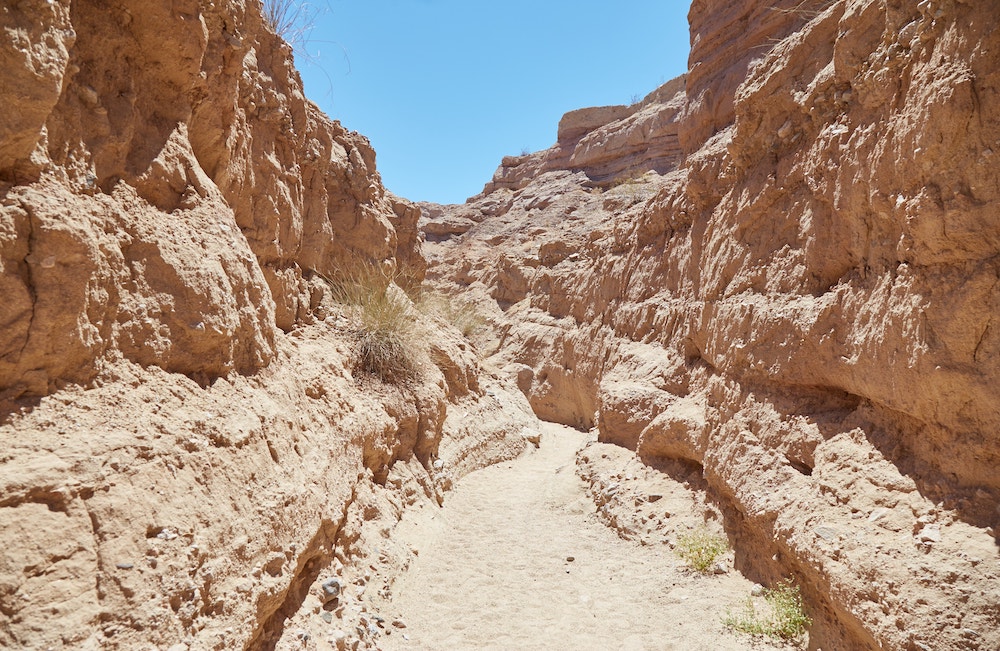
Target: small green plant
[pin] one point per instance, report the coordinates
(384, 318)
(699, 549)
(784, 617)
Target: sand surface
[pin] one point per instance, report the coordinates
(494, 571)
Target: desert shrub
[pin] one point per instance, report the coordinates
(633, 186)
(292, 20)
(699, 549)
(462, 314)
(784, 617)
(383, 319)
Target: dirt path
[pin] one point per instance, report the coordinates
(494, 571)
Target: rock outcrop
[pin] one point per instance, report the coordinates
(790, 284)
(774, 279)
(168, 191)
(188, 446)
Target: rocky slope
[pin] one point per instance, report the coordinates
(781, 270)
(189, 447)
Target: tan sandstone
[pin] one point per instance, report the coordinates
(188, 443)
(794, 293)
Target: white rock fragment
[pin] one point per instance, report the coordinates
(930, 534)
(878, 514)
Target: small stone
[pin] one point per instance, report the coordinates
(720, 568)
(653, 497)
(338, 640)
(326, 616)
(88, 95)
(438, 464)
(166, 534)
(968, 632)
(331, 589)
(878, 514)
(570, 559)
(828, 534)
(124, 566)
(398, 623)
(757, 590)
(930, 534)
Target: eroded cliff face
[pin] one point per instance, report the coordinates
(164, 149)
(785, 275)
(189, 448)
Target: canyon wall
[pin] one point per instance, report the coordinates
(781, 269)
(188, 444)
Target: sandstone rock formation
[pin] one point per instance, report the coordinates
(780, 269)
(187, 445)
(774, 280)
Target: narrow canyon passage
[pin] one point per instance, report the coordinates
(517, 559)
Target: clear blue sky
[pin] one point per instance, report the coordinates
(445, 88)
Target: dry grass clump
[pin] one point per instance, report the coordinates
(462, 314)
(384, 322)
(784, 617)
(292, 20)
(700, 549)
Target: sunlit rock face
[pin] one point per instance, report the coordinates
(188, 443)
(793, 286)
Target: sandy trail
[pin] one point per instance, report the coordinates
(493, 571)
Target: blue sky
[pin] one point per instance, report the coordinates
(445, 88)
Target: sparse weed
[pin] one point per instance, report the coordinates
(784, 617)
(464, 315)
(632, 177)
(801, 8)
(632, 185)
(292, 20)
(700, 548)
(386, 335)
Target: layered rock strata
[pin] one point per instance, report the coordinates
(189, 447)
(167, 191)
(792, 290)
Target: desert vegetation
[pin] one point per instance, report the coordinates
(463, 315)
(383, 320)
(783, 615)
(700, 549)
